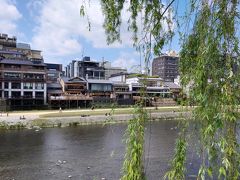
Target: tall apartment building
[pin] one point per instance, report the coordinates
(22, 75)
(166, 66)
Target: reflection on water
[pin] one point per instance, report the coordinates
(86, 152)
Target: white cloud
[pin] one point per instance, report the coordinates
(33, 6)
(55, 34)
(9, 15)
(60, 26)
(130, 61)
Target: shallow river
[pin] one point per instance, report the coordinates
(85, 153)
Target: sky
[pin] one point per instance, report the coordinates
(56, 28)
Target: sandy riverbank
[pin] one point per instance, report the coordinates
(79, 117)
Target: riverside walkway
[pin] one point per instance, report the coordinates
(51, 118)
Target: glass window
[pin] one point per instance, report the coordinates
(39, 86)
(6, 85)
(39, 76)
(39, 94)
(28, 94)
(28, 76)
(102, 74)
(27, 85)
(101, 87)
(6, 94)
(16, 85)
(16, 94)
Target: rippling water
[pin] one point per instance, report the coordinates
(85, 152)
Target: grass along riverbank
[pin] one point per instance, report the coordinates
(104, 111)
(64, 118)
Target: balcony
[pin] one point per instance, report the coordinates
(22, 69)
(24, 97)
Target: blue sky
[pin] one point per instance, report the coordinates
(56, 28)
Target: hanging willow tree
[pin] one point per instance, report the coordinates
(209, 57)
(208, 61)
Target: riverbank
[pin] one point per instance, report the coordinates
(41, 119)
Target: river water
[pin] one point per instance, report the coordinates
(85, 153)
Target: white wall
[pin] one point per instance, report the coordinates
(76, 69)
(120, 78)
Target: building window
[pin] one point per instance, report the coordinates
(28, 76)
(16, 94)
(39, 94)
(101, 74)
(39, 76)
(27, 85)
(27, 94)
(39, 86)
(16, 85)
(6, 94)
(101, 87)
(6, 85)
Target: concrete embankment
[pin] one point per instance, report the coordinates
(36, 122)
